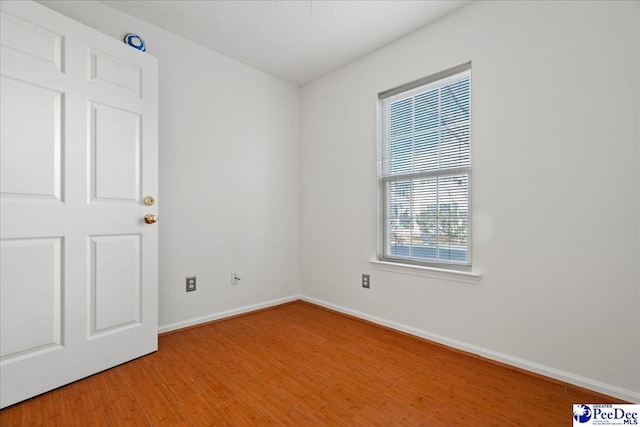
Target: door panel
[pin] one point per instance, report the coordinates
(115, 282)
(34, 42)
(79, 152)
(115, 154)
(116, 73)
(31, 277)
(31, 139)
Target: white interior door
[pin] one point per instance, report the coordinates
(78, 155)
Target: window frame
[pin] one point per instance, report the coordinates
(420, 86)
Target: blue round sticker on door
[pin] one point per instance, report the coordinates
(136, 41)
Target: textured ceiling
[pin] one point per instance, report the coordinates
(297, 41)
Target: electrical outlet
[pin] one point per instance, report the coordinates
(365, 281)
(235, 278)
(191, 283)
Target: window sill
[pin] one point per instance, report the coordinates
(435, 273)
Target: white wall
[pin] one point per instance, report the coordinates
(556, 189)
(229, 173)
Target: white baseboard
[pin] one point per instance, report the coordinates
(527, 365)
(226, 313)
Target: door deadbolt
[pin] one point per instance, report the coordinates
(149, 201)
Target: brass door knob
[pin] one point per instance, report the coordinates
(150, 219)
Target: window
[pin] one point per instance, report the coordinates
(425, 171)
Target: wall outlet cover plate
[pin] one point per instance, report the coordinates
(191, 283)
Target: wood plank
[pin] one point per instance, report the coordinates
(82, 405)
(13, 416)
(116, 398)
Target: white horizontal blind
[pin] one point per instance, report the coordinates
(425, 171)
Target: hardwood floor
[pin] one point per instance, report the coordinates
(302, 365)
